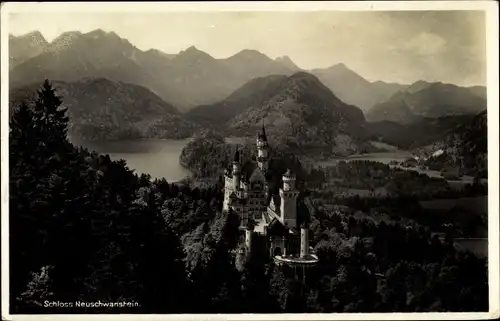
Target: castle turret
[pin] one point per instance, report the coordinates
(289, 195)
(236, 170)
(304, 241)
(262, 150)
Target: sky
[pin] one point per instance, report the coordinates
(393, 46)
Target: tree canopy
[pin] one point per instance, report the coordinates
(84, 227)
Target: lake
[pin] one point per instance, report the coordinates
(160, 157)
(157, 157)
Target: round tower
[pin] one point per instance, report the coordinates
(304, 241)
(289, 181)
(262, 150)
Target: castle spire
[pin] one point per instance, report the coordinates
(262, 134)
(236, 157)
(236, 170)
(262, 149)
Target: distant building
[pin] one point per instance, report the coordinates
(411, 162)
(437, 153)
(268, 216)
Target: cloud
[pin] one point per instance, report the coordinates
(426, 43)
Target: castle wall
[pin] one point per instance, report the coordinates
(292, 245)
(228, 189)
(256, 203)
(288, 208)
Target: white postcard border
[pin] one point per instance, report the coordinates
(492, 25)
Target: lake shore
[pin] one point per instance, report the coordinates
(160, 157)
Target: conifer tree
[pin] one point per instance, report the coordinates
(51, 118)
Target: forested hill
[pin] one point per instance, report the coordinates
(84, 228)
(420, 133)
(299, 113)
(463, 138)
(101, 109)
(466, 147)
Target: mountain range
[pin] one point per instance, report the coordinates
(187, 79)
(430, 100)
(25, 47)
(354, 89)
(115, 91)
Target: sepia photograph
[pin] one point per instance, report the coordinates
(240, 159)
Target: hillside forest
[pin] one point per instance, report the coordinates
(84, 227)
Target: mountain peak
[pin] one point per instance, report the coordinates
(67, 35)
(159, 53)
(340, 66)
(302, 75)
(249, 54)
(34, 33)
(418, 85)
(191, 48)
(33, 37)
(283, 59)
(99, 33)
(287, 61)
(191, 51)
(64, 40)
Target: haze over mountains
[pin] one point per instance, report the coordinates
(116, 91)
(432, 100)
(187, 79)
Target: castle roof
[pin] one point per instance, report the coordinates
(248, 168)
(236, 157)
(246, 171)
(276, 201)
(275, 227)
(288, 173)
(262, 134)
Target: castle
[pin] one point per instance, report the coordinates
(272, 217)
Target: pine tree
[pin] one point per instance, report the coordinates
(51, 118)
(36, 135)
(39, 289)
(25, 230)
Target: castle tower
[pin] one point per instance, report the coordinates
(236, 170)
(262, 150)
(248, 238)
(289, 195)
(304, 241)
